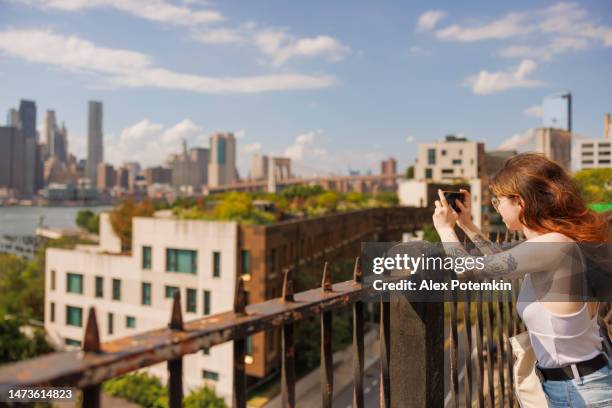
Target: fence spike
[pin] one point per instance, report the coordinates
(91, 341)
(176, 319)
(240, 298)
(357, 272)
(288, 285)
(326, 282)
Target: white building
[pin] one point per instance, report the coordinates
(133, 292)
(454, 158)
(594, 154)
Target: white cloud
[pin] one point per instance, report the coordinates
(429, 19)
(154, 10)
(219, 36)
(535, 111)
(252, 147)
(303, 144)
(281, 47)
(556, 46)
(410, 139)
(563, 27)
(133, 69)
(519, 141)
(149, 143)
(485, 82)
(506, 27)
(239, 134)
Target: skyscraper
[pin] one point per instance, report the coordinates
(12, 118)
(222, 166)
(12, 163)
(27, 119)
(95, 142)
(50, 129)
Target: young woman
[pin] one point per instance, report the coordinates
(536, 196)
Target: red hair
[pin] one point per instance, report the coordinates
(552, 202)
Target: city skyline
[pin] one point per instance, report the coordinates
(332, 96)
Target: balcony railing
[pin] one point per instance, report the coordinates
(412, 350)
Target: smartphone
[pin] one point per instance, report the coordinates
(451, 196)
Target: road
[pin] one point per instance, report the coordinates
(370, 390)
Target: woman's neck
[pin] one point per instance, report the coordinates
(529, 233)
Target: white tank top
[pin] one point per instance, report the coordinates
(558, 340)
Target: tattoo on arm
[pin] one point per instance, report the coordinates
(498, 265)
(486, 247)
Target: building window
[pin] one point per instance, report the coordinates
(130, 322)
(456, 161)
(602, 161)
(52, 311)
(431, 156)
(587, 153)
(116, 289)
(169, 290)
(606, 153)
(110, 323)
(74, 316)
(587, 145)
(53, 279)
(99, 287)
(587, 162)
(74, 283)
(428, 173)
(448, 171)
(206, 302)
(181, 260)
(72, 342)
(245, 257)
(145, 296)
(206, 352)
(216, 264)
(471, 161)
(443, 153)
(146, 257)
(210, 375)
(460, 152)
(191, 300)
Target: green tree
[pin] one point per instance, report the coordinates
(387, 198)
(203, 397)
(88, 220)
(430, 234)
(15, 345)
(147, 391)
(121, 219)
(595, 185)
(140, 388)
(410, 172)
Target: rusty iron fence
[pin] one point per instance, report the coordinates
(88, 368)
(411, 333)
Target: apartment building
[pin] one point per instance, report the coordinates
(133, 292)
(595, 153)
(454, 158)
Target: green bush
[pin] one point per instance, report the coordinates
(203, 397)
(140, 388)
(16, 346)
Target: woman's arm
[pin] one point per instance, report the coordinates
(464, 221)
(516, 262)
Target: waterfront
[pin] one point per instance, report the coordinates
(20, 220)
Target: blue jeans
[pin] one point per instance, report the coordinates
(594, 390)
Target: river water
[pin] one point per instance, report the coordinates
(24, 220)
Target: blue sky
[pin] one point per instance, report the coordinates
(334, 85)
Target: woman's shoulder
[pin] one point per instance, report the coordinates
(552, 237)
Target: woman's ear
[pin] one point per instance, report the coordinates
(521, 202)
